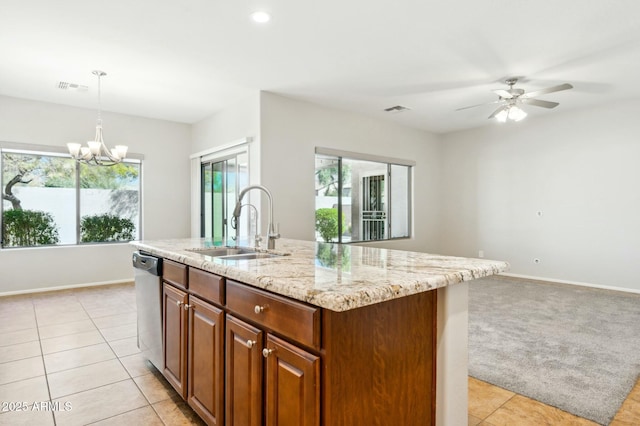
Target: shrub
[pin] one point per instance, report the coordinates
(24, 228)
(327, 223)
(105, 227)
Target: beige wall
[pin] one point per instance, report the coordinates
(563, 189)
(474, 190)
(290, 132)
(165, 202)
(237, 123)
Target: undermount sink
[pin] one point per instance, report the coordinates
(248, 256)
(233, 253)
(223, 251)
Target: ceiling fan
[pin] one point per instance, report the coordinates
(511, 98)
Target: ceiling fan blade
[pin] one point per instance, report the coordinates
(558, 88)
(540, 103)
(479, 105)
(496, 112)
(503, 93)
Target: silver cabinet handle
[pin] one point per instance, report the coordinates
(259, 309)
(186, 307)
(178, 303)
(251, 343)
(266, 352)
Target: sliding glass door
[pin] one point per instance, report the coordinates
(222, 179)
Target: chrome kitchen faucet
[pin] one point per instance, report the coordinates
(272, 233)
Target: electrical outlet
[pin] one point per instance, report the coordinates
(481, 254)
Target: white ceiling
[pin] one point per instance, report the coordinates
(183, 60)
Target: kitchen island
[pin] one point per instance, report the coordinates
(380, 333)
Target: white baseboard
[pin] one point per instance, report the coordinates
(554, 280)
(63, 287)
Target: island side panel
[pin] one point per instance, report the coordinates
(379, 363)
(453, 355)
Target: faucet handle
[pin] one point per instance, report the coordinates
(276, 233)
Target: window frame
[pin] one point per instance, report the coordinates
(61, 152)
(219, 154)
(340, 155)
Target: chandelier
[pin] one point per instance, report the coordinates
(97, 153)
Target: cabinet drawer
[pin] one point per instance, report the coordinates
(293, 319)
(174, 273)
(206, 285)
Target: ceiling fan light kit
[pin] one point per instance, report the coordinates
(511, 112)
(511, 98)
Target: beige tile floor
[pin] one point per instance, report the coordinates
(70, 358)
(490, 405)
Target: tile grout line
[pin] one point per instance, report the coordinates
(149, 404)
(123, 366)
(498, 408)
(44, 365)
(79, 301)
(34, 309)
(110, 348)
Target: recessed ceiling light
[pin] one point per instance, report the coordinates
(260, 17)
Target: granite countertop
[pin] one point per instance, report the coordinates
(332, 276)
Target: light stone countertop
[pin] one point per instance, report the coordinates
(332, 276)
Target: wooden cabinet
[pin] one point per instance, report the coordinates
(206, 285)
(243, 356)
(193, 341)
(292, 385)
(174, 273)
(205, 377)
(379, 363)
(290, 379)
(174, 337)
(294, 320)
(244, 373)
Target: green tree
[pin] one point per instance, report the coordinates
(22, 228)
(327, 179)
(327, 223)
(60, 172)
(113, 177)
(106, 227)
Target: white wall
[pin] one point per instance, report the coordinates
(579, 169)
(231, 124)
(290, 132)
(235, 123)
(165, 146)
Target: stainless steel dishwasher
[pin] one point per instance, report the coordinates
(148, 275)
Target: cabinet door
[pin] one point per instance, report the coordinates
(175, 337)
(244, 373)
(206, 361)
(292, 385)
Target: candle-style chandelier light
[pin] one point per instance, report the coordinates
(96, 152)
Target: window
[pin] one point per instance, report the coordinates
(50, 199)
(222, 178)
(371, 194)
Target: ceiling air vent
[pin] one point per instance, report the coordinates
(72, 86)
(397, 108)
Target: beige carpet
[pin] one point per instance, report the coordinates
(571, 347)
